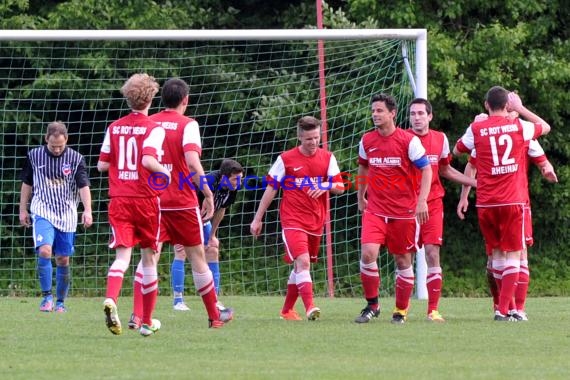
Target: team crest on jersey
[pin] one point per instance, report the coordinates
(66, 169)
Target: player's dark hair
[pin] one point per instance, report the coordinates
(308, 123)
(497, 98)
(423, 101)
(173, 92)
(56, 128)
(229, 167)
(388, 100)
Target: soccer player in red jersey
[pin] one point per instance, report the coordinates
(537, 156)
(307, 174)
(431, 232)
(502, 185)
(131, 153)
(390, 203)
(181, 220)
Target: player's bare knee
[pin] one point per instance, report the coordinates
(302, 262)
(62, 261)
(45, 251)
(212, 254)
(369, 254)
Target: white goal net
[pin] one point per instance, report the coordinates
(248, 88)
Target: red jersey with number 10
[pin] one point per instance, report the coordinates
(501, 158)
(126, 141)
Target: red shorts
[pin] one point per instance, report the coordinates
(502, 227)
(431, 232)
(134, 221)
(398, 235)
(182, 227)
(298, 242)
(528, 238)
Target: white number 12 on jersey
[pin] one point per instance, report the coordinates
(503, 140)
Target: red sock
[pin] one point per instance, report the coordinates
(292, 293)
(115, 279)
(204, 282)
(149, 290)
(305, 288)
(137, 292)
(370, 279)
(404, 287)
(434, 282)
(522, 286)
(508, 285)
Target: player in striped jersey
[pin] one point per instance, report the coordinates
(53, 177)
(131, 153)
(307, 173)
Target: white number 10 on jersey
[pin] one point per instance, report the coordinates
(128, 153)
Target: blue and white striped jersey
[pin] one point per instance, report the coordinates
(55, 182)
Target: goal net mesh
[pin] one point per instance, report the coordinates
(246, 96)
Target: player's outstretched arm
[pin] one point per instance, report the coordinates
(151, 164)
(515, 104)
(87, 216)
(454, 175)
(362, 187)
(547, 171)
(266, 199)
(422, 213)
(25, 196)
(193, 161)
(216, 220)
(103, 166)
(463, 203)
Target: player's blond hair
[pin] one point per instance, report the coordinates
(139, 90)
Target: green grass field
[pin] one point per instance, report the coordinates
(258, 345)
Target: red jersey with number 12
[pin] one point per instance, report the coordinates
(501, 158)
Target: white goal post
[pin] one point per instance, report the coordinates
(416, 69)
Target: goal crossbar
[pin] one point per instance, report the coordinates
(214, 34)
(419, 35)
